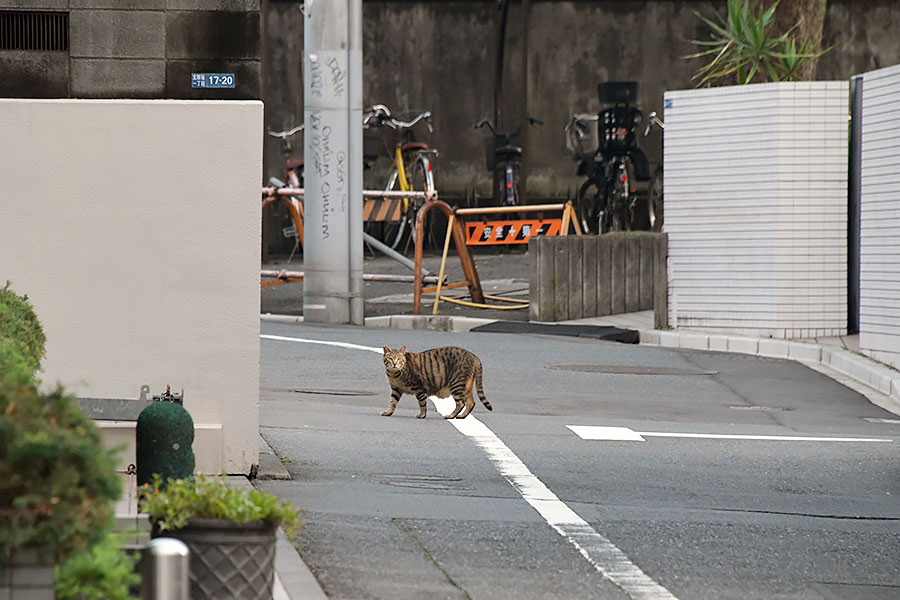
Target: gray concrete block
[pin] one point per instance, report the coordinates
(774, 348)
(248, 80)
(560, 279)
(117, 34)
(34, 75)
(632, 272)
(233, 5)
(617, 273)
(35, 4)
(217, 35)
(120, 4)
(104, 78)
(575, 250)
(744, 345)
(589, 270)
(604, 275)
(647, 244)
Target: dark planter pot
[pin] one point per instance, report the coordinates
(228, 560)
(27, 574)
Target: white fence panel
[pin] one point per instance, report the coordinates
(756, 208)
(879, 310)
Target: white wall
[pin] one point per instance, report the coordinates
(879, 312)
(134, 228)
(755, 208)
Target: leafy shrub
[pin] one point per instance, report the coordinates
(105, 572)
(57, 481)
(21, 335)
(173, 503)
(744, 48)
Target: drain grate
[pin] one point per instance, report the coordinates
(630, 370)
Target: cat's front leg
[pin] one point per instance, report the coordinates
(423, 404)
(395, 398)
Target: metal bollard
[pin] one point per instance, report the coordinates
(164, 570)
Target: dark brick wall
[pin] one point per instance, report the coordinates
(140, 49)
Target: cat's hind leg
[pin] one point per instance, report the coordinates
(423, 404)
(459, 407)
(470, 399)
(395, 398)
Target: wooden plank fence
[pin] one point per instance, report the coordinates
(574, 277)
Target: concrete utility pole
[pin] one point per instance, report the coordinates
(332, 95)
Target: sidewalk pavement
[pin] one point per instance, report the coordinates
(838, 358)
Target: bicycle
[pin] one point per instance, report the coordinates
(293, 179)
(412, 170)
(507, 158)
(655, 191)
(608, 155)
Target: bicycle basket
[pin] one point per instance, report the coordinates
(582, 136)
(618, 92)
(616, 127)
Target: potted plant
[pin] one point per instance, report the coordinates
(57, 481)
(229, 531)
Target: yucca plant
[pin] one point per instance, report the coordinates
(745, 49)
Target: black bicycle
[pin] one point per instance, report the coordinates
(606, 149)
(507, 158)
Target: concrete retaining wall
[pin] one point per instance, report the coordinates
(136, 236)
(574, 277)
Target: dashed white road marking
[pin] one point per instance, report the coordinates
(602, 554)
(595, 432)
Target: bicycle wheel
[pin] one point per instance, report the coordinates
(615, 218)
(421, 180)
(386, 231)
(655, 201)
(590, 205)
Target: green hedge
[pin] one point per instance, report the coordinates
(21, 335)
(57, 481)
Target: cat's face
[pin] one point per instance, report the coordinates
(394, 360)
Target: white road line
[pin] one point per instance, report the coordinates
(602, 554)
(592, 432)
(281, 338)
(605, 557)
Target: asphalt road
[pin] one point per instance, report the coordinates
(513, 504)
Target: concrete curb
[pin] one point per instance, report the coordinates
(848, 364)
(293, 579)
(270, 466)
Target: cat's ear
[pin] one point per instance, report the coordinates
(402, 349)
(386, 349)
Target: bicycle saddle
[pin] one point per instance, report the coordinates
(508, 150)
(413, 146)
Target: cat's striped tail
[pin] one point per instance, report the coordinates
(480, 388)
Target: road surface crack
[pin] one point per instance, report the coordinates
(428, 555)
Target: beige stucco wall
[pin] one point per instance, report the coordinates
(133, 226)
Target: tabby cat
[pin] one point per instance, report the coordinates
(440, 371)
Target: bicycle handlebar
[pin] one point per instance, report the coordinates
(287, 133)
(506, 136)
(383, 114)
(653, 119)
